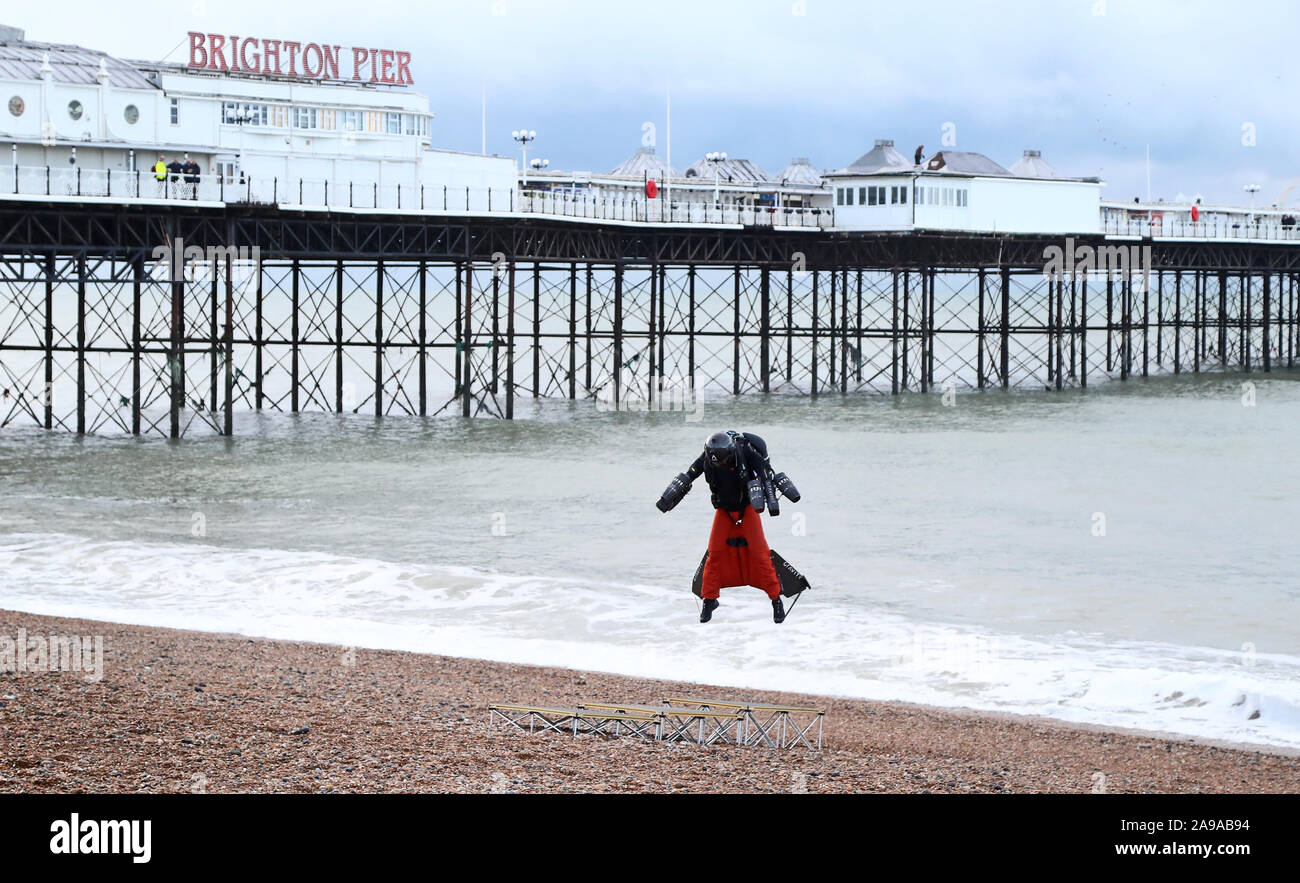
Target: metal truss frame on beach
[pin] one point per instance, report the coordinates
(699, 721)
(776, 726)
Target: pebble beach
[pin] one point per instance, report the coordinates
(185, 711)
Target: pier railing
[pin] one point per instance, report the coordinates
(1266, 229)
(119, 185)
(123, 185)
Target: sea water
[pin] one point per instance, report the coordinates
(1123, 555)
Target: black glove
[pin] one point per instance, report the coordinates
(676, 492)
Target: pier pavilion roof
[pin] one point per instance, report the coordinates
(1032, 165)
(964, 162)
(731, 171)
(881, 158)
(22, 59)
(642, 163)
(800, 172)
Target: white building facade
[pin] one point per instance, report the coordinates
(70, 110)
(960, 191)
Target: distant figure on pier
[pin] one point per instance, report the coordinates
(742, 484)
(192, 172)
(175, 169)
(160, 176)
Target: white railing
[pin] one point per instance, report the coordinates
(1205, 228)
(660, 211)
(120, 185)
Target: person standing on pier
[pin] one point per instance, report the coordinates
(192, 170)
(175, 169)
(160, 176)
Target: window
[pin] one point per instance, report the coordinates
(75, 109)
(16, 106)
(175, 112)
(233, 113)
(131, 114)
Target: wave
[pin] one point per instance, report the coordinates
(650, 631)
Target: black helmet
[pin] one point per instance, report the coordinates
(720, 450)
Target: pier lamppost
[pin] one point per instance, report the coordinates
(716, 160)
(524, 136)
(1252, 189)
(240, 116)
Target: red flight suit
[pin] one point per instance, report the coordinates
(739, 565)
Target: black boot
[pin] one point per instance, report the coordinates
(778, 610)
(710, 605)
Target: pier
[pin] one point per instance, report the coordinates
(426, 312)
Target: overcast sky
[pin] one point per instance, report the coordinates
(1211, 87)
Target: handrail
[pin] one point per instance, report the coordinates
(122, 185)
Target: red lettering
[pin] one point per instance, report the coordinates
(292, 49)
(270, 50)
(198, 52)
(256, 66)
(330, 67)
(307, 67)
(217, 61)
(359, 57)
(404, 69)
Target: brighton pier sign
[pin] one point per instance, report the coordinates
(289, 58)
